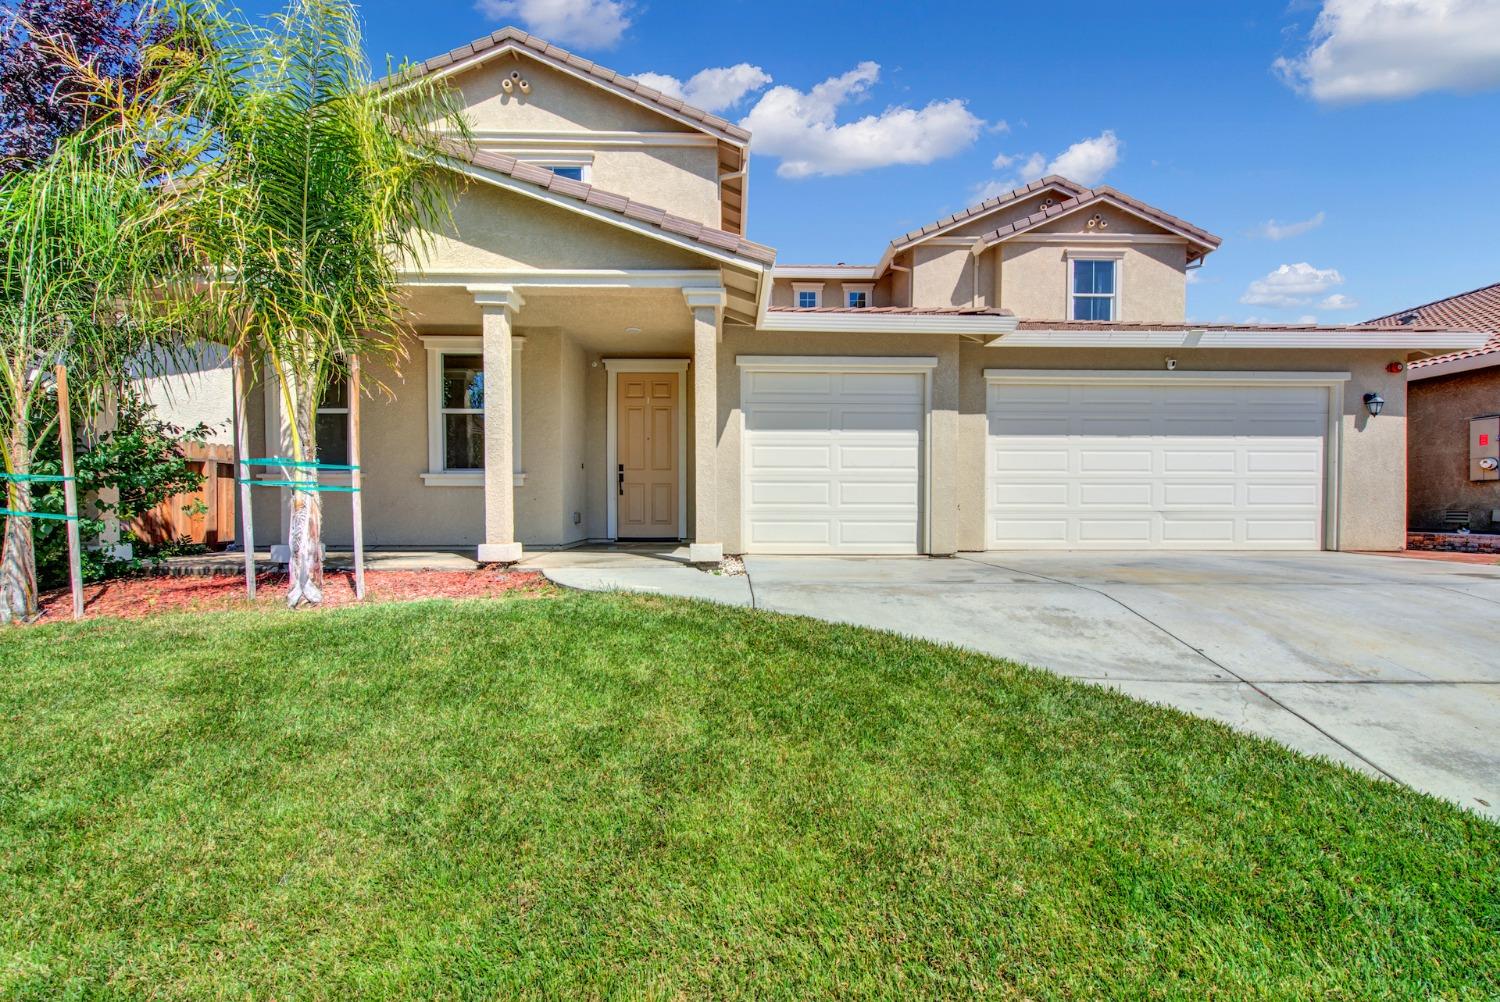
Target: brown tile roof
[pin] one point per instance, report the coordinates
(989, 204)
(1101, 325)
(1088, 196)
(541, 177)
(905, 311)
(507, 38)
(1477, 310)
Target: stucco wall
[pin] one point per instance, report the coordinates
(680, 179)
(191, 398)
(782, 293)
(1372, 495)
(496, 230)
(1438, 448)
(1034, 279)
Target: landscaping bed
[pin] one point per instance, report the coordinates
(149, 595)
(613, 796)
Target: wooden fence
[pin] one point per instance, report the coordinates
(183, 517)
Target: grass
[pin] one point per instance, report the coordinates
(625, 797)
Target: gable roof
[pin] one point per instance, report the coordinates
(638, 215)
(1476, 310)
(1198, 238)
(932, 229)
(510, 39)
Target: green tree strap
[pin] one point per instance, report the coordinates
(301, 485)
(37, 514)
(50, 478)
(299, 464)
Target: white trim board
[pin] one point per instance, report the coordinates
(1245, 338)
(1333, 381)
(859, 322)
(612, 369)
(491, 138)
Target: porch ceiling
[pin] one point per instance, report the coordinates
(597, 318)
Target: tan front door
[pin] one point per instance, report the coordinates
(646, 481)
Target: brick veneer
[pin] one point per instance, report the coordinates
(1467, 542)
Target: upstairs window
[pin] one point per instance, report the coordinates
(571, 173)
(807, 295)
(857, 297)
(1094, 285)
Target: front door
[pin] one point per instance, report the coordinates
(647, 477)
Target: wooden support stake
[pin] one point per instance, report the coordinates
(70, 489)
(357, 516)
(242, 452)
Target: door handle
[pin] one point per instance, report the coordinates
(621, 480)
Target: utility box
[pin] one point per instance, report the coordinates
(1484, 447)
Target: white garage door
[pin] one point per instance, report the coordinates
(1127, 466)
(832, 461)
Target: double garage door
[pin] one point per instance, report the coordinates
(834, 462)
(1210, 465)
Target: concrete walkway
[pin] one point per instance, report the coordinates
(1388, 665)
(653, 570)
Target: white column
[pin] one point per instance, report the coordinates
(707, 307)
(498, 307)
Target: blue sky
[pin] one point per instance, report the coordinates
(1377, 132)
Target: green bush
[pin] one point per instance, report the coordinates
(142, 459)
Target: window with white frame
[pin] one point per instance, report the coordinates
(807, 295)
(1094, 286)
(455, 410)
(575, 168)
(858, 297)
(331, 426)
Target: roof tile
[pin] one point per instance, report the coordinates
(1477, 310)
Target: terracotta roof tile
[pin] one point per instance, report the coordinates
(1089, 196)
(1477, 310)
(503, 163)
(1052, 180)
(514, 37)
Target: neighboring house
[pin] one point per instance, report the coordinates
(602, 354)
(1453, 418)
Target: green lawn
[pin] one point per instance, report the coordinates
(618, 797)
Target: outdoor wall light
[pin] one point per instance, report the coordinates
(1375, 403)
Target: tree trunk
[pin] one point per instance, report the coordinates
(305, 538)
(18, 591)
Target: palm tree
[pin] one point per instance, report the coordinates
(305, 187)
(79, 264)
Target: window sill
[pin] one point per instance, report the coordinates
(466, 479)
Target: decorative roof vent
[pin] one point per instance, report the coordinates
(515, 82)
(1098, 222)
(1047, 203)
(1406, 319)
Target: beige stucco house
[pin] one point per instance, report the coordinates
(602, 354)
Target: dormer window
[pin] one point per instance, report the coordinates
(858, 297)
(1094, 286)
(807, 295)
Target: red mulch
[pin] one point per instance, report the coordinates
(137, 598)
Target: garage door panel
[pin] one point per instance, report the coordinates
(1152, 465)
(833, 462)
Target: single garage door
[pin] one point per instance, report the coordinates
(1120, 465)
(832, 458)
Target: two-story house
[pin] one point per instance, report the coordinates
(602, 354)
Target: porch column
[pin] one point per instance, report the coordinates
(707, 306)
(498, 307)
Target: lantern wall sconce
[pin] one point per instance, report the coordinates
(1374, 403)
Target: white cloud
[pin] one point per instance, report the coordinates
(1194, 277)
(1338, 301)
(1086, 161)
(1272, 230)
(714, 89)
(1307, 318)
(802, 128)
(1364, 50)
(590, 24)
(1291, 285)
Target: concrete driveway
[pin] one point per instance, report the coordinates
(1390, 665)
